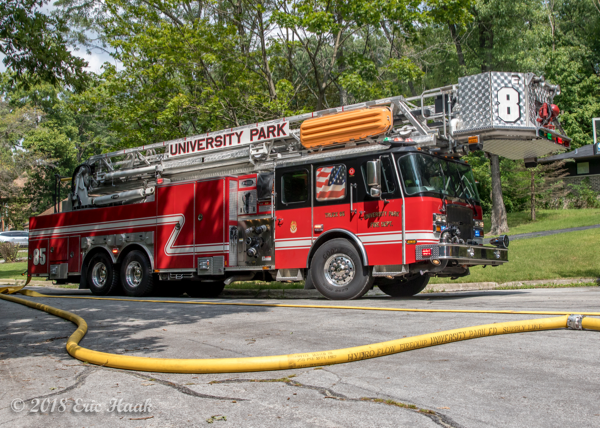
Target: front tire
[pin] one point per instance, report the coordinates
(403, 287)
(204, 288)
(102, 276)
(337, 271)
(136, 275)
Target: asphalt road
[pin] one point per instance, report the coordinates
(539, 379)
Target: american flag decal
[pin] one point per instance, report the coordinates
(331, 182)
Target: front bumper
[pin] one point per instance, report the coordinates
(470, 255)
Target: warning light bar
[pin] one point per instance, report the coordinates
(551, 137)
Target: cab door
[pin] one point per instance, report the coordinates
(380, 220)
(334, 198)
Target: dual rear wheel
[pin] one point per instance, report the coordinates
(135, 278)
(134, 275)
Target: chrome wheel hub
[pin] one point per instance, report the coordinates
(339, 270)
(134, 274)
(99, 274)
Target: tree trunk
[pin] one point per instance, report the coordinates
(532, 196)
(265, 59)
(499, 220)
(459, 52)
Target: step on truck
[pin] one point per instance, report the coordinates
(344, 199)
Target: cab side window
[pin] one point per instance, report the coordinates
(387, 168)
(388, 182)
(330, 183)
(294, 187)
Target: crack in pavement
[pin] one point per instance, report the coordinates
(180, 388)
(80, 379)
(437, 417)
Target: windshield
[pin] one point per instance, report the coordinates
(423, 173)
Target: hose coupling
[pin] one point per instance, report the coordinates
(574, 322)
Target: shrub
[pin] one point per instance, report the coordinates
(583, 196)
(9, 251)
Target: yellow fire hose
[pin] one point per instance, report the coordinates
(294, 361)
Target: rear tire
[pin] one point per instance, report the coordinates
(102, 276)
(403, 288)
(337, 271)
(136, 275)
(204, 288)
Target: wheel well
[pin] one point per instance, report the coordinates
(333, 234)
(132, 247)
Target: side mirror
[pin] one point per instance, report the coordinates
(374, 178)
(374, 174)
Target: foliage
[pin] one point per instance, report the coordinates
(183, 67)
(35, 46)
(9, 251)
(582, 196)
(60, 154)
(540, 185)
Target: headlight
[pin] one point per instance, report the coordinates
(478, 223)
(439, 218)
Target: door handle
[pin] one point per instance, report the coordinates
(352, 210)
(279, 221)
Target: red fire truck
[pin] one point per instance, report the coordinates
(344, 199)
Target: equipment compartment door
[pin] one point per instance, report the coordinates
(58, 250)
(210, 216)
(174, 248)
(38, 257)
(293, 226)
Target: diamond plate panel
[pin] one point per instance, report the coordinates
(474, 95)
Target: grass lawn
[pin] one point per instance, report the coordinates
(568, 255)
(13, 270)
(549, 220)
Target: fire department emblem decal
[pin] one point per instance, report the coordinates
(293, 227)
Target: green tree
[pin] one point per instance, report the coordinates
(35, 46)
(60, 157)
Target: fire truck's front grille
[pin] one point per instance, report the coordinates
(461, 217)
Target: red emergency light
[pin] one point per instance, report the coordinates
(426, 252)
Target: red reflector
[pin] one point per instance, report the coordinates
(159, 181)
(426, 252)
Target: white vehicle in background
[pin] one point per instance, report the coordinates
(20, 237)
